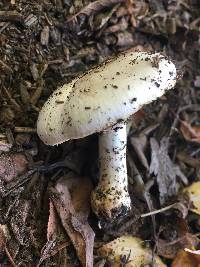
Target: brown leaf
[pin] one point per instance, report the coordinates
(56, 239)
(185, 157)
(190, 133)
(140, 114)
(164, 169)
(169, 249)
(12, 165)
(51, 228)
(130, 6)
(139, 144)
(71, 198)
(185, 259)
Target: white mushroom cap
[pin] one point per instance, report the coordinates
(104, 96)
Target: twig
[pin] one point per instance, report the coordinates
(5, 25)
(11, 99)
(149, 202)
(158, 211)
(10, 257)
(5, 66)
(19, 129)
(195, 107)
(37, 93)
(25, 178)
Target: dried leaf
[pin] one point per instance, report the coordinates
(139, 143)
(184, 259)
(12, 165)
(195, 252)
(188, 159)
(130, 6)
(56, 241)
(130, 252)
(51, 228)
(164, 169)
(169, 249)
(71, 198)
(190, 133)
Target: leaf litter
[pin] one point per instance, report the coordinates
(44, 45)
(164, 170)
(73, 210)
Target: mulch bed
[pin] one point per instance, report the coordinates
(44, 44)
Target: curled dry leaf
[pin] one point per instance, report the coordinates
(163, 168)
(56, 238)
(190, 133)
(185, 259)
(130, 252)
(169, 250)
(51, 228)
(71, 198)
(193, 192)
(195, 252)
(12, 165)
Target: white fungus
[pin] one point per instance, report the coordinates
(100, 101)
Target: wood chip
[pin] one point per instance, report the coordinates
(44, 37)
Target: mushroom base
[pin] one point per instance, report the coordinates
(111, 198)
(107, 209)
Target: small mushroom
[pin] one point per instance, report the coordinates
(129, 251)
(193, 192)
(101, 101)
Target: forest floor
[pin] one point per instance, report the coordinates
(44, 44)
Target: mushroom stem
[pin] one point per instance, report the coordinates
(111, 199)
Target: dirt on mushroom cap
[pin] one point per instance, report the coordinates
(105, 95)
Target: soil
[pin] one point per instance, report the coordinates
(45, 44)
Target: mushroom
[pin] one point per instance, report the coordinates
(101, 101)
(129, 251)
